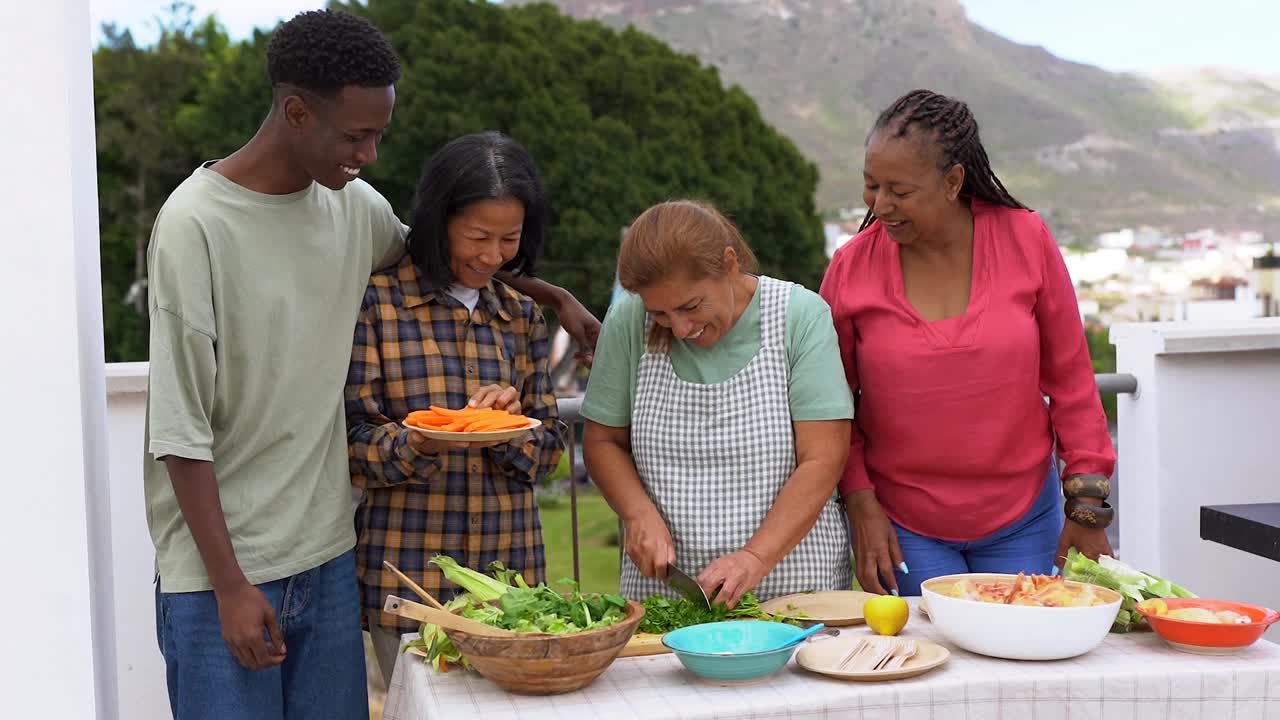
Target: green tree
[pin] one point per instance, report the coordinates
(616, 120)
(1103, 354)
(139, 94)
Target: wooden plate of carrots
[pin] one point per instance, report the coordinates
(469, 424)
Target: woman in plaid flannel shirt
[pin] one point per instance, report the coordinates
(439, 329)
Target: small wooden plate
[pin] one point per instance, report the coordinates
(476, 436)
(833, 608)
(823, 657)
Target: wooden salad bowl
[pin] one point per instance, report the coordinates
(539, 664)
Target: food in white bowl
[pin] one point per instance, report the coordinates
(1032, 590)
(1020, 617)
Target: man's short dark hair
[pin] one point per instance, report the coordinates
(326, 50)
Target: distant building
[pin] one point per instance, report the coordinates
(1095, 266)
(1118, 240)
(836, 234)
(852, 214)
(1224, 300)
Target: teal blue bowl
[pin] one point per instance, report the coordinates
(734, 650)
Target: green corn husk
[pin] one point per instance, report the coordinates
(1132, 584)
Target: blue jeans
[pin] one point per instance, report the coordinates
(1026, 545)
(323, 675)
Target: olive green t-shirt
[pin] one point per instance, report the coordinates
(253, 301)
(817, 387)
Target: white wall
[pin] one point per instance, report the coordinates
(138, 665)
(55, 531)
(1202, 430)
(1221, 312)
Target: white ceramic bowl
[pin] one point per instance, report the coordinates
(1018, 632)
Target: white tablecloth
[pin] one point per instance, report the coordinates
(1127, 677)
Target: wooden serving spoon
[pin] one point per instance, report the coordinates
(422, 613)
(414, 586)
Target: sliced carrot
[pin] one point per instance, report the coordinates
(420, 418)
(467, 419)
(504, 424)
(451, 413)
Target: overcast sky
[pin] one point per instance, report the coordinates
(1123, 35)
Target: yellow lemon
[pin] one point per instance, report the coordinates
(886, 614)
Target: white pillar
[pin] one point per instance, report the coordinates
(140, 670)
(58, 642)
(1201, 430)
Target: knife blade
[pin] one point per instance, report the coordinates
(680, 581)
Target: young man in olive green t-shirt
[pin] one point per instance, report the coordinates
(257, 266)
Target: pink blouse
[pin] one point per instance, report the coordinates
(951, 428)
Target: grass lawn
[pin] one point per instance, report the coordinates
(597, 541)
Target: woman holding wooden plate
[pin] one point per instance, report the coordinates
(717, 416)
(440, 330)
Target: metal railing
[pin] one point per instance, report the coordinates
(1116, 383)
(570, 410)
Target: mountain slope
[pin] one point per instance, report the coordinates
(1092, 150)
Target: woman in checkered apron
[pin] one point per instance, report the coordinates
(717, 415)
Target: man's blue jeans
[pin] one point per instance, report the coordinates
(1027, 545)
(323, 675)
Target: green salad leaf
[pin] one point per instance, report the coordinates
(503, 599)
(541, 609)
(662, 614)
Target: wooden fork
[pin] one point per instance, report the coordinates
(875, 654)
(867, 655)
(906, 650)
(861, 647)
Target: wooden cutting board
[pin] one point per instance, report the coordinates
(644, 644)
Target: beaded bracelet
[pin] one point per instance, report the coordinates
(1087, 486)
(1090, 516)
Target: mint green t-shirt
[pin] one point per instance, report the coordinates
(818, 389)
(253, 306)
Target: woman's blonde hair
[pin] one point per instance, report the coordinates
(678, 237)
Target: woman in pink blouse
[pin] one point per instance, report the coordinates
(956, 318)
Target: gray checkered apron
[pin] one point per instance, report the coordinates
(713, 457)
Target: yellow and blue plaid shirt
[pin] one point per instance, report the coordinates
(416, 346)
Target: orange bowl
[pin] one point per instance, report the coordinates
(1208, 638)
